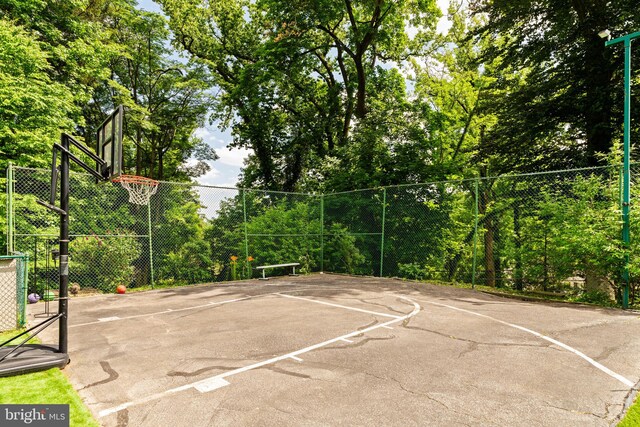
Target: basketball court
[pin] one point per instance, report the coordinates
(330, 349)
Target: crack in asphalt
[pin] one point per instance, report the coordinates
(284, 371)
(573, 411)
(112, 375)
(375, 322)
(426, 395)
(605, 353)
(356, 344)
(200, 371)
(503, 344)
(368, 302)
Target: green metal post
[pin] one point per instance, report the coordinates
(626, 172)
(246, 238)
(384, 212)
(150, 242)
(10, 242)
(25, 289)
(475, 235)
(322, 233)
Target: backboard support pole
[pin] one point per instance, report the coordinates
(38, 357)
(63, 302)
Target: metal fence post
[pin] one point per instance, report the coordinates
(322, 233)
(246, 237)
(150, 242)
(25, 290)
(475, 234)
(384, 211)
(10, 243)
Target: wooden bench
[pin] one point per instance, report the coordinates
(265, 267)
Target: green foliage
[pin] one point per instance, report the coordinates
(341, 251)
(585, 229)
(165, 100)
(34, 109)
(600, 298)
(290, 222)
(103, 262)
(297, 81)
(568, 106)
(632, 417)
(417, 271)
(180, 248)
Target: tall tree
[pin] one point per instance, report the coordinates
(294, 76)
(54, 53)
(571, 86)
(166, 99)
(33, 108)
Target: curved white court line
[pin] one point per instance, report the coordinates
(578, 353)
(218, 381)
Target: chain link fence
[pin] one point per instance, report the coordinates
(187, 234)
(557, 231)
(13, 288)
(548, 231)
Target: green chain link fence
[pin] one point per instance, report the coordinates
(13, 289)
(546, 231)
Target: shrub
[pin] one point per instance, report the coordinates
(103, 263)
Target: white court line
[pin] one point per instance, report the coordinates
(214, 384)
(387, 327)
(210, 380)
(578, 353)
(169, 310)
(297, 359)
(346, 340)
(340, 306)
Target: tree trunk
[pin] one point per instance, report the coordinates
(597, 114)
(545, 261)
(138, 152)
(160, 165)
(497, 263)
(361, 106)
(518, 246)
(489, 264)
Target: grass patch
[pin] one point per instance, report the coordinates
(46, 387)
(632, 418)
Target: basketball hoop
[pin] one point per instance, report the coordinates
(140, 188)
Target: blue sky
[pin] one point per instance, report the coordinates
(224, 171)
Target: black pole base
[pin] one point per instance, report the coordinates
(31, 358)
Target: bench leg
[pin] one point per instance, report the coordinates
(294, 271)
(263, 276)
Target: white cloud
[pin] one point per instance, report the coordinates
(203, 133)
(233, 156)
(209, 177)
(444, 24)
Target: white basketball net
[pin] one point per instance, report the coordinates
(140, 188)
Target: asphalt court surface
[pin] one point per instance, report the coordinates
(338, 350)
